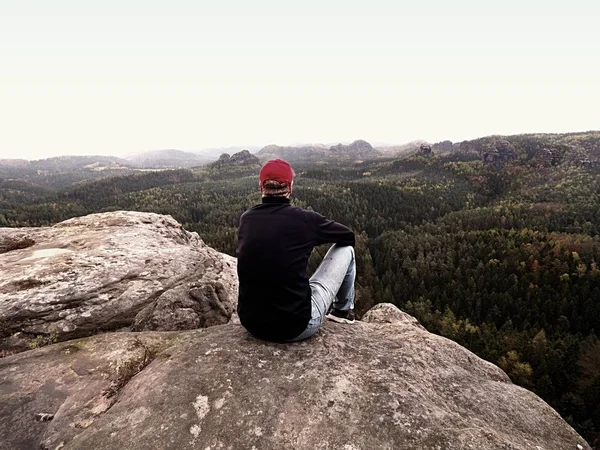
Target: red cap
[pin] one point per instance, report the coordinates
(278, 170)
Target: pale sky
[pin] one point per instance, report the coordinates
(119, 76)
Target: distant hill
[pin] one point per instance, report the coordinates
(168, 159)
(214, 152)
(63, 171)
(357, 150)
(292, 154)
(13, 162)
(15, 168)
(575, 148)
(579, 148)
(414, 147)
(401, 150)
(66, 163)
(176, 159)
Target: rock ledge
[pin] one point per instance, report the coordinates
(108, 271)
(365, 386)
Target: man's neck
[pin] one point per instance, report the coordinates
(272, 199)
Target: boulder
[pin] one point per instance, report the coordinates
(106, 272)
(384, 384)
(389, 313)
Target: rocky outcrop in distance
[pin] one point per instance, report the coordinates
(383, 383)
(444, 147)
(106, 272)
(425, 149)
(542, 150)
(239, 159)
(357, 150)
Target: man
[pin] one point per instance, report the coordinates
(277, 301)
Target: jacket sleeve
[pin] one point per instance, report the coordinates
(327, 231)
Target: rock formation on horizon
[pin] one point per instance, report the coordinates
(358, 149)
(382, 383)
(242, 158)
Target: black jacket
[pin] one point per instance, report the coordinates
(274, 242)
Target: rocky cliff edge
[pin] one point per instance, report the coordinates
(382, 383)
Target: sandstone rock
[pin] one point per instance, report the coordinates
(243, 158)
(188, 306)
(223, 158)
(444, 146)
(358, 149)
(425, 149)
(96, 273)
(388, 313)
(364, 386)
(16, 242)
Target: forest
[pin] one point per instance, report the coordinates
(494, 245)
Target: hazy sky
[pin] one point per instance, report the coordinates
(122, 76)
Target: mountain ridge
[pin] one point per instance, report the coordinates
(357, 150)
(173, 158)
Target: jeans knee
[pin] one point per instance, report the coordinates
(350, 250)
(346, 248)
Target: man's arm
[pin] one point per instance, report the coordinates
(328, 231)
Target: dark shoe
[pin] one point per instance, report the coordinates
(341, 316)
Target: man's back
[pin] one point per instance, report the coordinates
(274, 243)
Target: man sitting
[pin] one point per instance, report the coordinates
(277, 301)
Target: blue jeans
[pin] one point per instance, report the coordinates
(331, 284)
